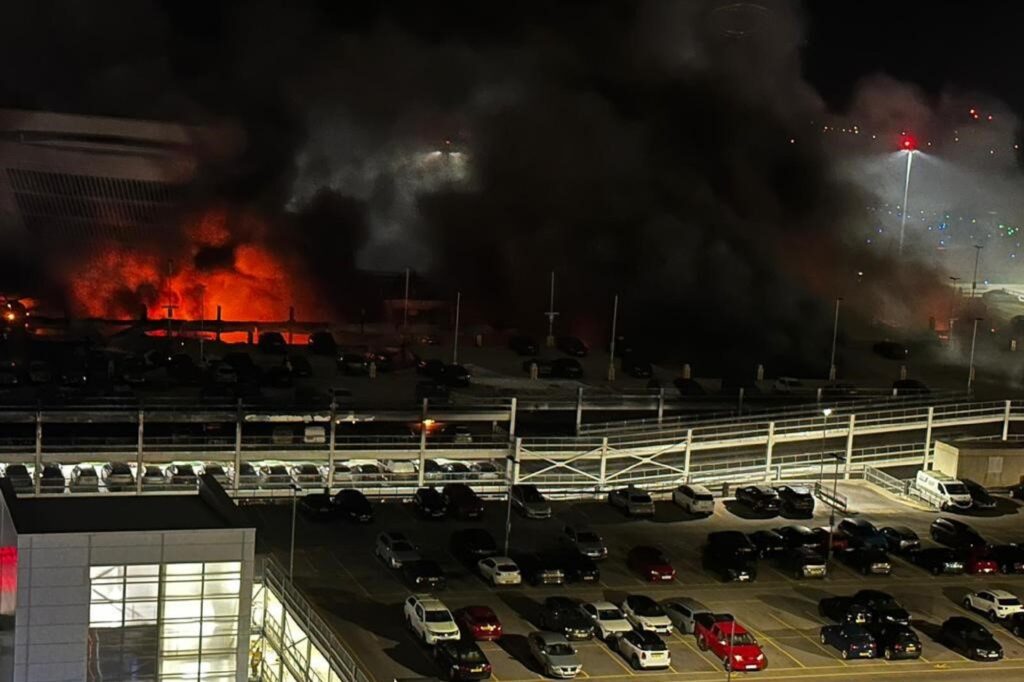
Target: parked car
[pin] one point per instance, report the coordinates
(299, 366)
(472, 544)
(566, 368)
(181, 475)
(970, 639)
(117, 477)
(945, 491)
(607, 618)
(585, 541)
(895, 641)
(866, 560)
(544, 367)
(759, 498)
(433, 391)
(523, 345)
(1015, 624)
(462, 501)
(694, 499)
(643, 650)
(570, 345)
(651, 564)
(52, 479)
(579, 568)
(799, 536)
(566, 616)
(272, 342)
(429, 619)
(352, 504)
(728, 641)
(844, 610)
(937, 560)
(891, 350)
(900, 539)
(884, 607)
(980, 497)
(275, 476)
(863, 533)
(456, 375)
(248, 477)
(394, 549)
(353, 364)
(646, 614)
(529, 502)
(1009, 558)
(153, 478)
(479, 623)
(731, 555)
(424, 574)
(852, 640)
(499, 570)
(830, 537)
(995, 604)
(554, 654)
(682, 611)
(19, 477)
(637, 366)
(955, 534)
(83, 479)
(910, 387)
(540, 568)
(632, 501)
(803, 562)
(317, 507)
(978, 561)
(795, 500)
(219, 473)
(307, 475)
(768, 543)
(322, 343)
(429, 503)
(462, 660)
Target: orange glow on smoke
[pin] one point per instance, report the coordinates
(252, 283)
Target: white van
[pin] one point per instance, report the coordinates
(695, 499)
(944, 490)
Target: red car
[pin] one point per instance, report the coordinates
(980, 561)
(479, 622)
(650, 564)
(840, 540)
(729, 641)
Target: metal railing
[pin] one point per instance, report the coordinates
(834, 499)
(885, 481)
(319, 635)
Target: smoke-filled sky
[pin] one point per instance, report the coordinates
(728, 168)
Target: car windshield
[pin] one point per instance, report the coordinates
(702, 497)
(978, 636)
(438, 617)
(507, 568)
(956, 489)
(401, 546)
(586, 536)
(531, 495)
(641, 498)
(184, 470)
(647, 608)
(559, 649)
(742, 639)
(1008, 601)
(471, 655)
(609, 614)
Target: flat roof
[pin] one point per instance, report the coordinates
(210, 508)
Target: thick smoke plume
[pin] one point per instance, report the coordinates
(665, 150)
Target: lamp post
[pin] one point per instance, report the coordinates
(909, 145)
(291, 547)
(611, 355)
(832, 512)
(825, 414)
(974, 279)
(952, 306)
(455, 341)
(551, 314)
(510, 473)
(970, 370)
(835, 335)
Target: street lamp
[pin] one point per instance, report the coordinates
(835, 335)
(296, 489)
(510, 474)
(825, 414)
(952, 307)
(970, 370)
(974, 279)
(909, 145)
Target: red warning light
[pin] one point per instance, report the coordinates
(908, 143)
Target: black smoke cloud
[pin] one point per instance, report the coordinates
(649, 149)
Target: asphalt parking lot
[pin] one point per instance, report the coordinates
(362, 599)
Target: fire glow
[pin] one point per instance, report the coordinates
(245, 278)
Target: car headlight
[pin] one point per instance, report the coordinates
(760, 657)
(738, 657)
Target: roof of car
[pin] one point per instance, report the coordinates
(689, 602)
(480, 612)
(601, 605)
(551, 637)
(1001, 594)
(430, 602)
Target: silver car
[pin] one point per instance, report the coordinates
(584, 541)
(681, 611)
(529, 502)
(307, 475)
(395, 550)
(632, 501)
(117, 476)
(554, 654)
(84, 479)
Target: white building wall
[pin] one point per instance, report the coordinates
(53, 595)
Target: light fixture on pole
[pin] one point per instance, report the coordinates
(835, 336)
(970, 370)
(611, 354)
(825, 414)
(909, 145)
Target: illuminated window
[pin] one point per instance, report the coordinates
(178, 623)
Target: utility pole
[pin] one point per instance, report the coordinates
(835, 335)
(974, 280)
(611, 355)
(405, 307)
(952, 306)
(551, 315)
(906, 193)
(970, 370)
(455, 341)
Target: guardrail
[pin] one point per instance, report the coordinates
(885, 481)
(318, 657)
(834, 499)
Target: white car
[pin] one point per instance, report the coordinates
(500, 570)
(995, 604)
(694, 499)
(429, 619)
(646, 614)
(395, 550)
(681, 611)
(608, 619)
(643, 650)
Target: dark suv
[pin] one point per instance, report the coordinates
(795, 501)
(731, 555)
(759, 498)
(955, 534)
(566, 616)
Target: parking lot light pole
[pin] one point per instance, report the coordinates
(291, 548)
(825, 414)
(970, 370)
(455, 340)
(510, 469)
(835, 335)
(832, 512)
